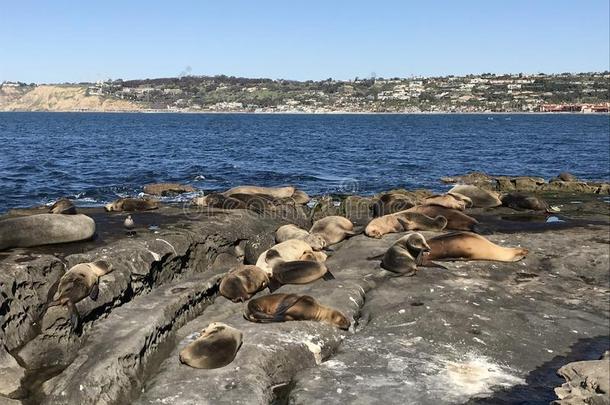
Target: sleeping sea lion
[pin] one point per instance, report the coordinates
(275, 192)
(447, 201)
(292, 307)
(405, 254)
(216, 346)
(292, 249)
(63, 206)
(390, 203)
(298, 272)
(79, 282)
(242, 282)
(404, 221)
(300, 197)
(456, 220)
(290, 231)
(481, 198)
(470, 246)
(333, 229)
(132, 204)
(518, 201)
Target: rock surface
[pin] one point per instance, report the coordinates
(477, 332)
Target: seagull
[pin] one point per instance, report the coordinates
(129, 224)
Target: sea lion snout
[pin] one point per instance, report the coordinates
(340, 320)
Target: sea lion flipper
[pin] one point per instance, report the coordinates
(273, 284)
(420, 258)
(379, 256)
(328, 275)
(95, 291)
(284, 306)
(74, 315)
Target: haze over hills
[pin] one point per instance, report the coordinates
(586, 92)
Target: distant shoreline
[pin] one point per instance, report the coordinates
(314, 113)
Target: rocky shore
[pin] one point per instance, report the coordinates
(475, 332)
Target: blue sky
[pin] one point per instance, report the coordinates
(57, 41)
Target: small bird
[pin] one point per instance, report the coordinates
(129, 225)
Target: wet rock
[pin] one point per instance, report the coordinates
(168, 189)
(587, 382)
(475, 178)
(324, 206)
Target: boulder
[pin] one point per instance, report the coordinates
(587, 382)
(168, 189)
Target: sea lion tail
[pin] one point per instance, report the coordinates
(273, 284)
(356, 231)
(328, 276)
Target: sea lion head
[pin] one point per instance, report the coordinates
(101, 267)
(113, 206)
(417, 242)
(338, 319)
(372, 231)
(316, 241)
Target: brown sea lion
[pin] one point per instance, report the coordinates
(132, 204)
(405, 254)
(467, 201)
(390, 203)
(290, 231)
(456, 220)
(481, 198)
(292, 307)
(470, 246)
(63, 206)
(216, 346)
(518, 201)
(447, 201)
(275, 192)
(333, 229)
(242, 282)
(404, 221)
(292, 249)
(298, 272)
(79, 282)
(300, 197)
(217, 200)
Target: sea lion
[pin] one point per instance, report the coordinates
(300, 197)
(298, 272)
(456, 220)
(566, 176)
(45, 229)
(404, 221)
(217, 200)
(292, 307)
(447, 201)
(79, 282)
(467, 200)
(276, 192)
(333, 229)
(518, 201)
(242, 282)
(390, 203)
(470, 246)
(292, 249)
(131, 204)
(63, 206)
(290, 231)
(481, 198)
(216, 346)
(405, 254)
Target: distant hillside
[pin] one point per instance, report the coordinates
(59, 98)
(588, 92)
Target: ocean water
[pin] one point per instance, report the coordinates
(95, 158)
